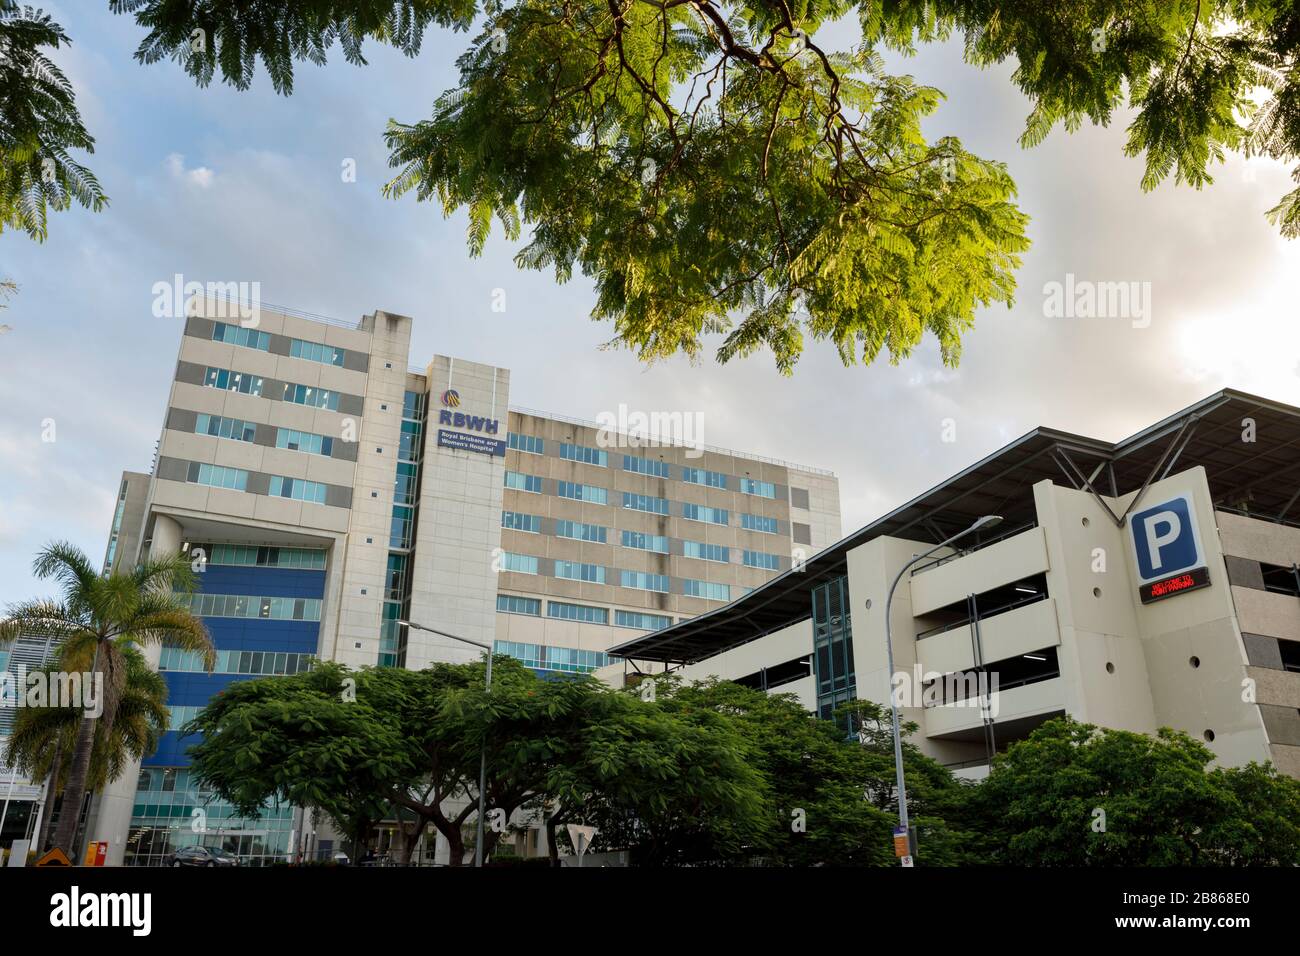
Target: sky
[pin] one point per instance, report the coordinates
(218, 185)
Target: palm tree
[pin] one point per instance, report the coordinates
(95, 617)
(43, 736)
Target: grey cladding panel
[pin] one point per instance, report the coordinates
(799, 498)
(181, 419)
(189, 373)
(337, 496)
(173, 469)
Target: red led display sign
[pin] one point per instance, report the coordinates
(1176, 584)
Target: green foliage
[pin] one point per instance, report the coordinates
(1162, 806)
(39, 125)
(95, 622)
(43, 738)
(413, 740)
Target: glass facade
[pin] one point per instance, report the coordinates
(401, 535)
(833, 647)
(172, 811)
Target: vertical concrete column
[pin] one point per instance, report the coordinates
(112, 821)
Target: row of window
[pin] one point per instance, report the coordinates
(540, 657)
(642, 466)
(216, 476)
(239, 430)
(220, 427)
(267, 608)
(316, 352)
(309, 442)
(595, 574)
(237, 662)
(650, 504)
(249, 384)
(298, 348)
(590, 456)
(180, 716)
(238, 335)
(264, 556)
(299, 489)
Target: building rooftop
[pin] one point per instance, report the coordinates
(1248, 478)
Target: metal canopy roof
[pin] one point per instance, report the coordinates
(1261, 477)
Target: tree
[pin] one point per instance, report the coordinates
(714, 170)
(95, 618)
(668, 782)
(363, 745)
(1076, 795)
(43, 737)
(39, 125)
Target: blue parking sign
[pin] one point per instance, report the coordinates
(1165, 540)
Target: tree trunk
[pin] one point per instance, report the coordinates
(552, 850)
(51, 791)
(74, 794)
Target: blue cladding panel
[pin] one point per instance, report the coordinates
(237, 633)
(264, 582)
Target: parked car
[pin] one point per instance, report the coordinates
(202, 856)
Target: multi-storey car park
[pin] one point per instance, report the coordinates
(1138, 584)
(329, 491)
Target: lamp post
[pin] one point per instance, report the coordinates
(482, 766)
(988, 521)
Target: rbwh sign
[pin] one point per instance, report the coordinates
(1167, 550)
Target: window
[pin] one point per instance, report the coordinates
(531, 655)
(799, 499)
(574, 571)
(413, 405)
(401, 527)
(521, 522)
(642, 581)
(832, 647)
(590, 456)
(707, 589)
(575, 660)
(238, 335)
(404, 483)
(758, 523)
(763, 489)
(267, 608)
(760, 559)
(698, 476)
(251, 555)
(570, 489)
(707, 515)
(646, 466)
(522, 563)
(645, 542)
(229, 381)
(579, 531)
(304, 441)
(706, 552)
(298, 489)
(316, 352)
(648, 503)
(521, 482)
(802, 533)
(510, 604)
(641, 621)
(224, 427)
(525, 443)
(577, 612)
(310, 396)
(214, 476)
(236, 662)
(408, 442)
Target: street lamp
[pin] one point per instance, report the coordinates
(988, 521)
(482, 766)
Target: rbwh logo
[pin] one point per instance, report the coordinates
(1165, 540)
